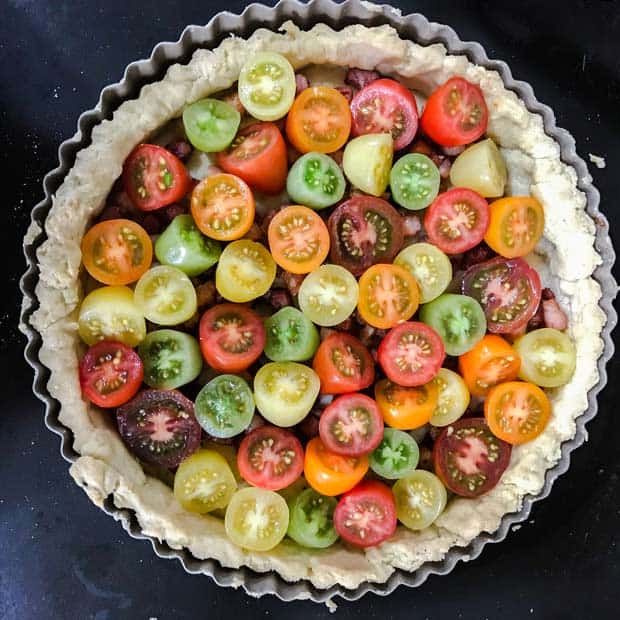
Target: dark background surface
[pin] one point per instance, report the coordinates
(62, 558)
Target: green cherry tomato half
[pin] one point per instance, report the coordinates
(183, 246)
(367, 161)
(430, 267)
(291, 336)
(171, 359)
(453, 398)
(311, 522)
(458, 319)
(225, 406)
(548, 357)
(256, 519)
(267, 86)
(328, 295)
(110, 313)
(315, 180)
(420, 499)
(204, 482)
(166, 296)
(414, 181)
(285, 392)
(396, 456)
(211, 124)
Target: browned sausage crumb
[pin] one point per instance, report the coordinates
(358, 78)
(293, 281)
(205, 294)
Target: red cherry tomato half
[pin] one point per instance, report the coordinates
(343, 364)
(385, 106)
(508, 290)
(366, 515)
(351, 425)
(231, 337)
(258, 156)
(270, 457)
(468, 458)
(153, 177)
(110, 373)
(457, 220)
(411, 353)
(455, 114)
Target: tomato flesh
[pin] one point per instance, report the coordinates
(232, 337)
(366, 515)
(110, 373)
(270, 457)
(469, 459)
(153, 177)
(406, 408)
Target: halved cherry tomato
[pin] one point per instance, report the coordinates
(343, 364)
(231, 337)
(364, 230)
(270, 457)
(330, 473)
(258, 156)
(455, 114)
(411, 353)
(385, 106)
(508, 290)
(110, 373)
(366, 515)
(516, 225)
(517, 411)
(491, 361)
(389, 294)
(457, 220)
(298, 239)
(469, 459)
(153, 177)
(319, 120)
(406, 408)
(351, 425)
(117, 251)
(223, 207)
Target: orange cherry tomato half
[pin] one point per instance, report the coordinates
(388, 295)
(517, 411)
(330, 473)
(406, 408)
(319, 120)
(491, 361)
(223, 207)
(117, 252)
(298, 239)
(516, 225)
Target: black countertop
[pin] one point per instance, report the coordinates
(62, 558)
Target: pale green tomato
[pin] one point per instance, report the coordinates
(482, 168)
(453, 398)
(420, 499)
(367, 161)
(430, 267)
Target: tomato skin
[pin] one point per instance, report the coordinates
(228, 321)
(411, 339)
(516, 225)
(313, 107)
(357, 368)
(522, 396)
(262, 471)
(289, 228)
(372, 501)
(258, 156)
(457, 220)
(462, 460)
(351, 410)
(406, 408)
(115, 362)
(449, 112)
(102, 243)
(149, 167)
(393, 96)
(330, 473)
(492, 355)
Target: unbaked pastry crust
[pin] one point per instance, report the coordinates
(105, 467)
